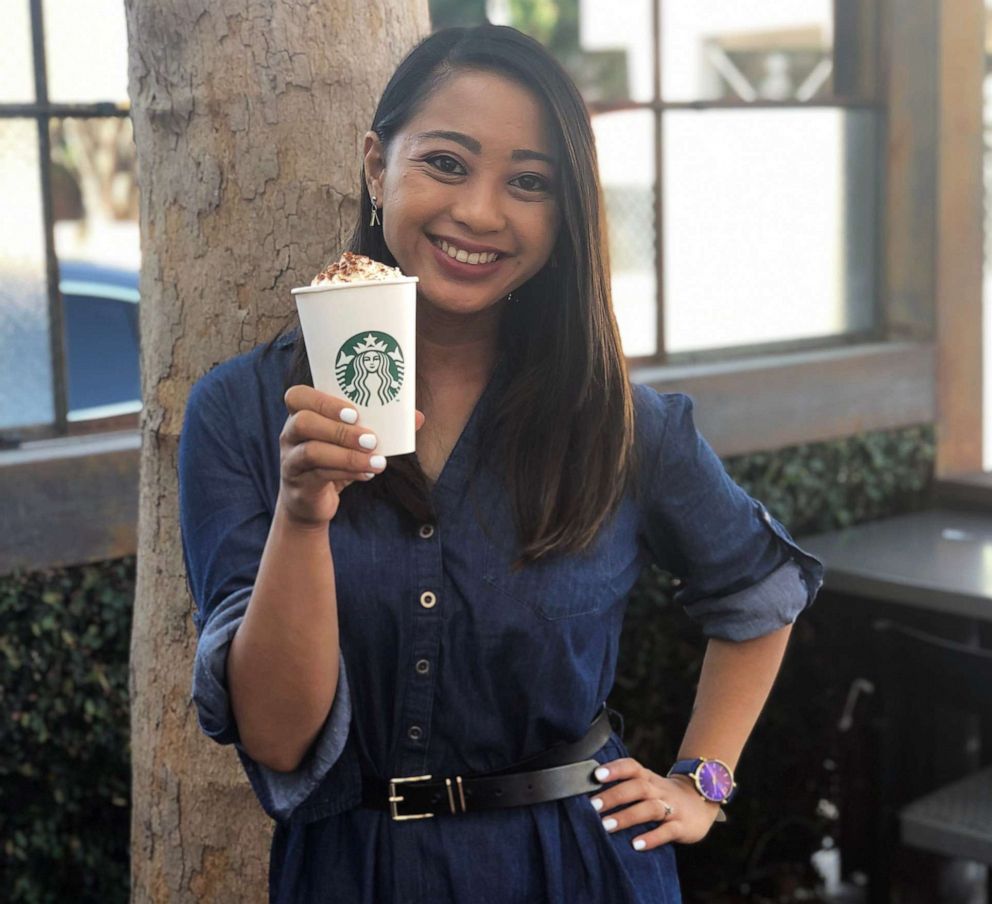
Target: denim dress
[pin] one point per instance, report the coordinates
(451, 663)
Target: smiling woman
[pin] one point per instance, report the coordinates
(476, 587)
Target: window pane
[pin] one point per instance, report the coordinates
(768, 225)
(617, 56)
(86, 50)
(606, 47)
(16, 64)
(625, 147)
(25, 355)
(745, 51)
(95, 206)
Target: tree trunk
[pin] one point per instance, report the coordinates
(248, 119)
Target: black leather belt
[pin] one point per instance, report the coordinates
(560, 771)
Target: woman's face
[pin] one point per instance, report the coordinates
(371, 360)
(473, 168)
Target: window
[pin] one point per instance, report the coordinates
(739, 149)
(69, 243)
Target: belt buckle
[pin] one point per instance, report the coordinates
(395, 798)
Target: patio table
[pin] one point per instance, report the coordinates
(932, 569)
(939, 560)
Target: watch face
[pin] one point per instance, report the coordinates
(715, 780)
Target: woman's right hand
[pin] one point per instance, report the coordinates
(322, 449)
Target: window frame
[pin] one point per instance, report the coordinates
(857, 62)
(42, 111)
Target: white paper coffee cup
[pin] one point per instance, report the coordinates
(360, 339)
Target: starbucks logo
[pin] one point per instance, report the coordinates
(370, 368)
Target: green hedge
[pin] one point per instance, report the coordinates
(64, 756)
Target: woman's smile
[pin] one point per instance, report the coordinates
(458, 263)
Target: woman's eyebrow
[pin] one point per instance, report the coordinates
(524, 154)
(458, 137)
(475, 147)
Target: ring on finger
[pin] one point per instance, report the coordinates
(668, 810)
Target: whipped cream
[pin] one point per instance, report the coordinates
(352, 267)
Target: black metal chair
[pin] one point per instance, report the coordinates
(934, 785)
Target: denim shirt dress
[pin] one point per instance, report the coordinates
(451, 663)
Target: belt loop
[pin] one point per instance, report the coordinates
(619, 715)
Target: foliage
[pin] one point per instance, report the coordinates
(64, 755)
(64, 765)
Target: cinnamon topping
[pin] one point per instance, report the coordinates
(352, 267)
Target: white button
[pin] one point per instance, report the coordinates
(423, 666)
(415, 732)
(428, 599)
(427, 531)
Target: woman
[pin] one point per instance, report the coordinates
(463, 617)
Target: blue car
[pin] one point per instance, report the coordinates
(100, 313)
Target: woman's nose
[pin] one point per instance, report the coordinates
(479, 207)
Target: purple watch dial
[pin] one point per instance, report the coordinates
(715, 780)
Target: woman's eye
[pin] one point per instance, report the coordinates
(445, 164)
(530, 182)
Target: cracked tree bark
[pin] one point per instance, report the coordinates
(248, 119)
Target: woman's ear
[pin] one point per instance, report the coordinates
(375, 164)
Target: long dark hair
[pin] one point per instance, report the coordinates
(562, 433)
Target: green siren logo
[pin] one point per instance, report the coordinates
(370, 368)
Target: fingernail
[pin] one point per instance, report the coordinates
(369, 475)
(609, 823)
(597, 804)
(639, 844)
(348, 415)
(602, 773)
(367, 441)
(377, 461)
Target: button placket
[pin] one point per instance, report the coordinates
(424, 644)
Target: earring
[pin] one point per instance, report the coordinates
(375, 221)
(509, 297)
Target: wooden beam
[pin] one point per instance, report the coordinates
(70, 501)
(908, 72)
(750, 405)
(960, 197)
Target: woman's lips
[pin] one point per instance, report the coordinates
(460, 270)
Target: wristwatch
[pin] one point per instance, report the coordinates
(713, 779)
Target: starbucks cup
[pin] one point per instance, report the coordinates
(361, 343)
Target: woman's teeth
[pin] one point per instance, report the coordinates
(459, 254)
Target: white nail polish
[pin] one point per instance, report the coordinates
(609, 823)
(377, 461)
(597, 804)
(639, 844)
(348, 415)
(369, 475)
(602, 773)
(367, 441)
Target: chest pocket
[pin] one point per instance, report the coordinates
(555, 587)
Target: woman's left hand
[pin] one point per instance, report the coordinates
(644, 796)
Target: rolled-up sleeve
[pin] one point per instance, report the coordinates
(741, 574)
(224, 524)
